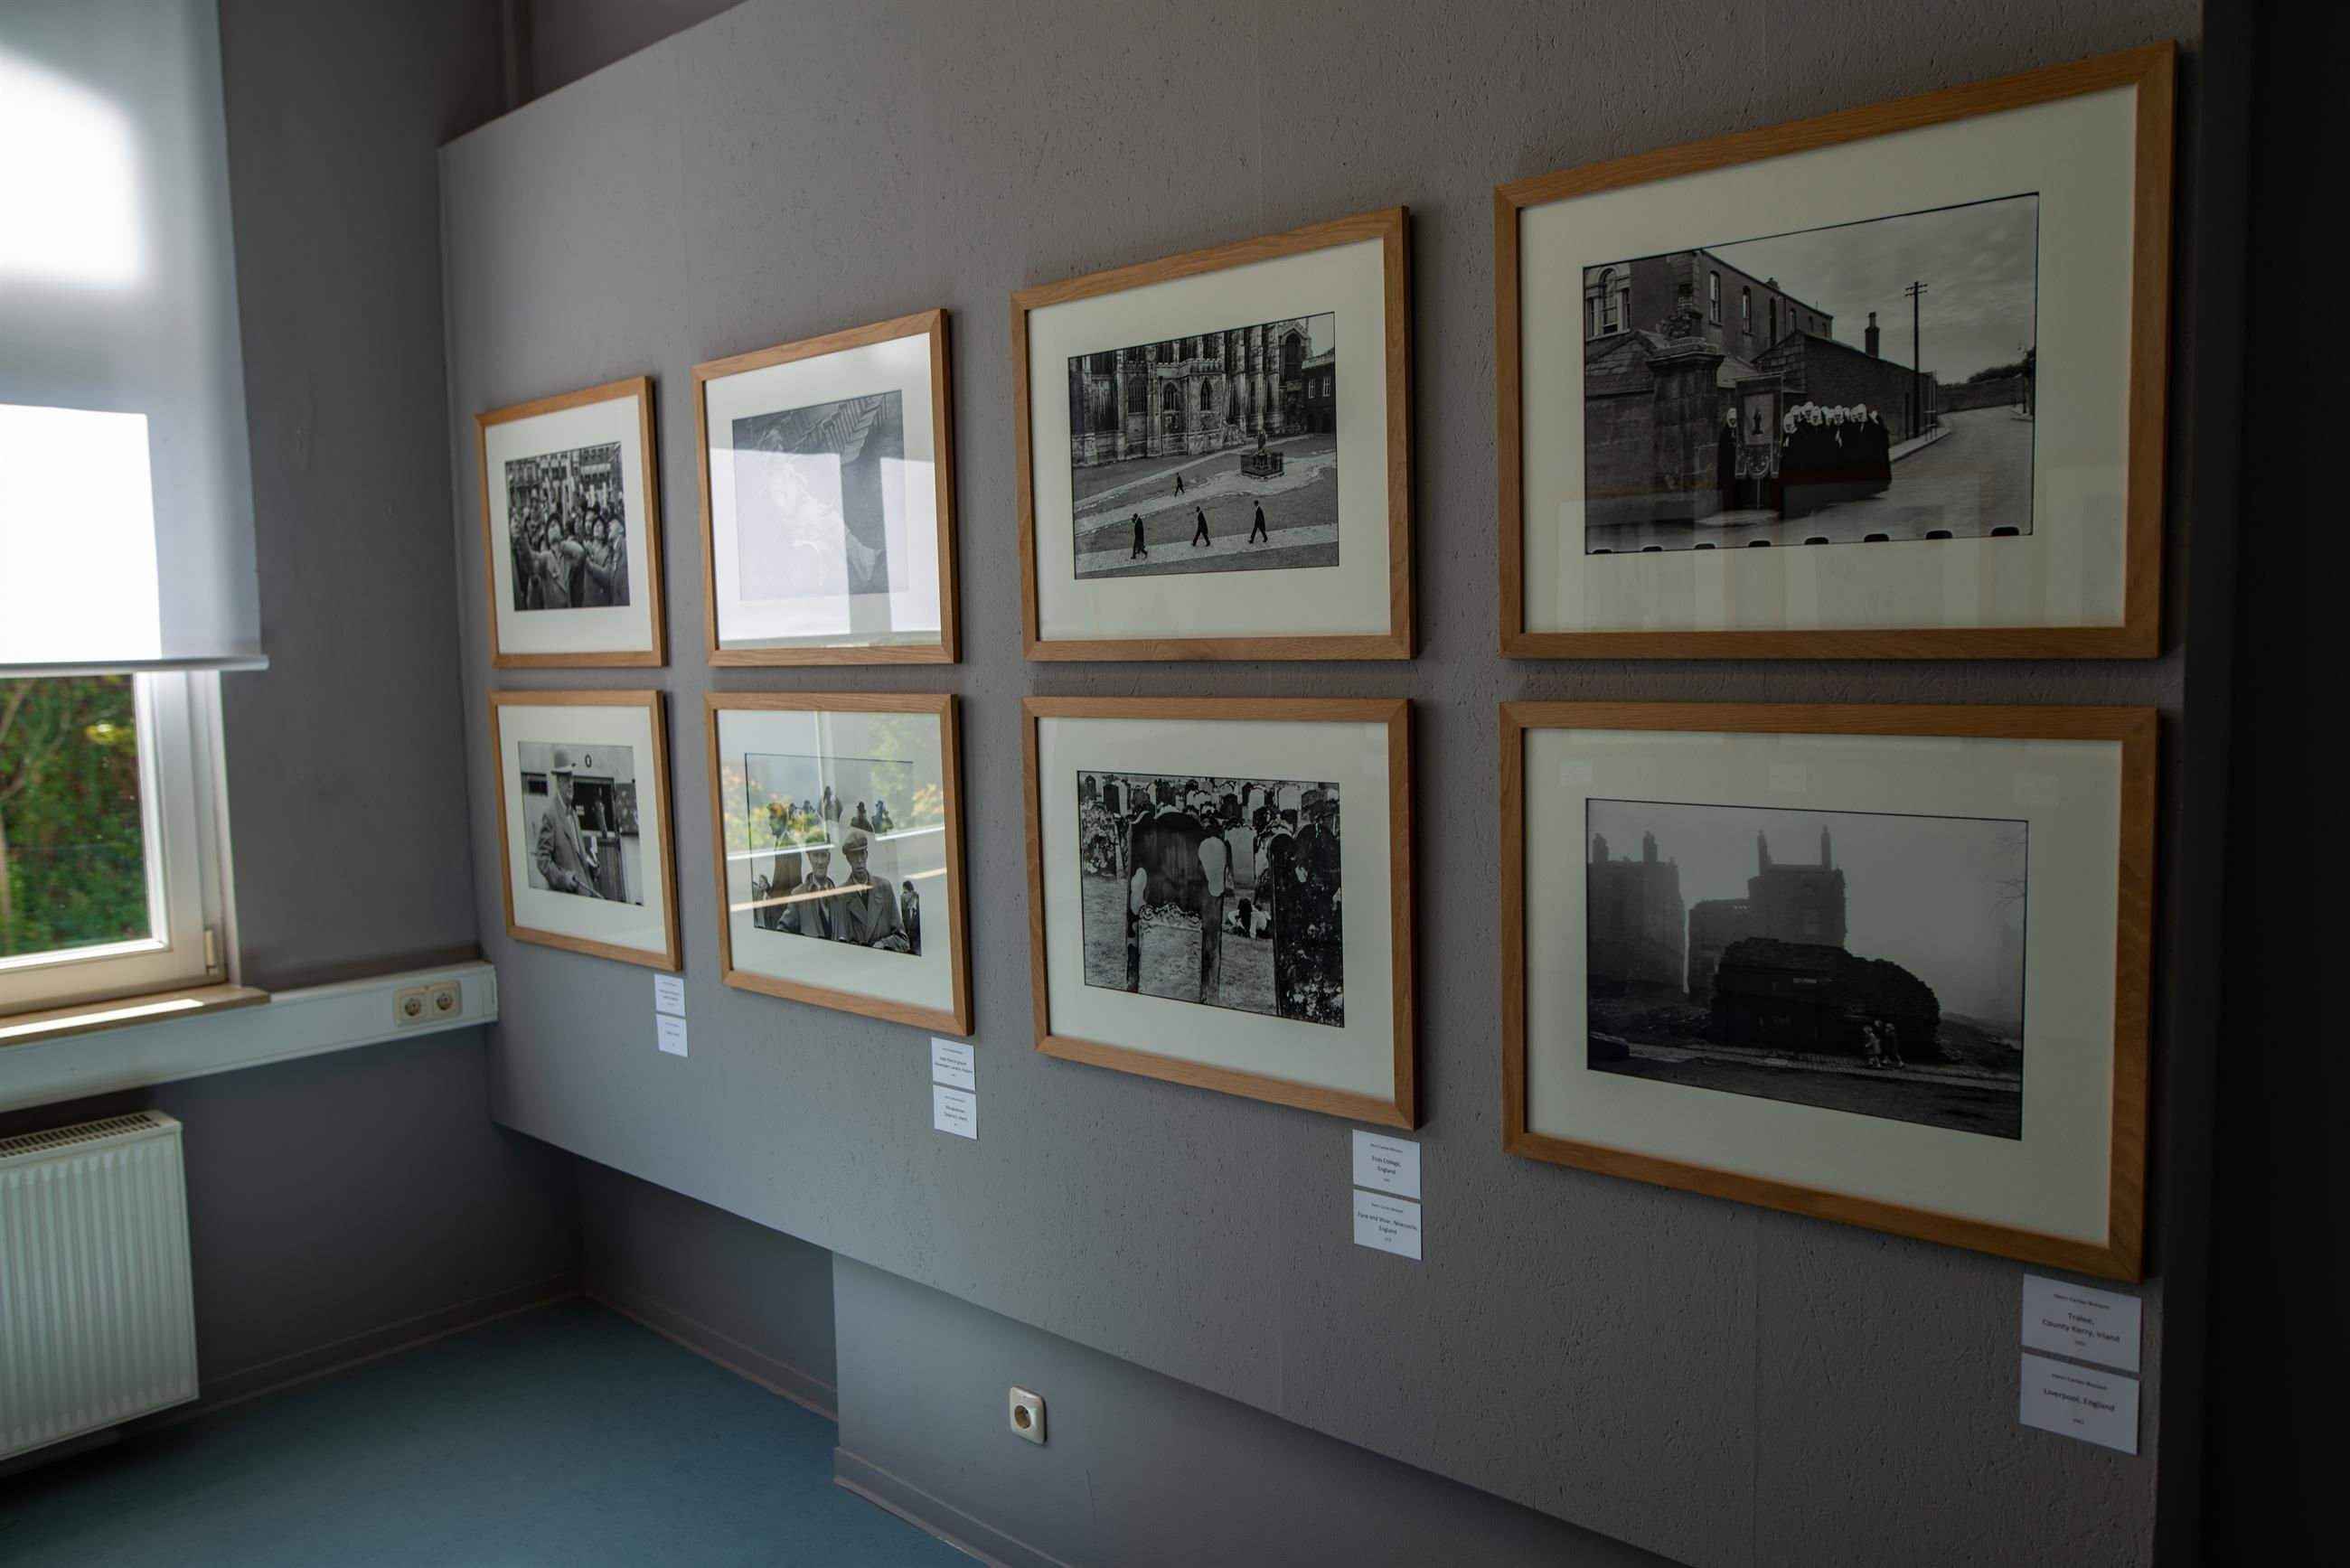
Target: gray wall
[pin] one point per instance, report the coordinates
(1711, 1382)
(755, 1299)
(347, 1203)
(569, 39)
(1138, 1470)
(345, 761)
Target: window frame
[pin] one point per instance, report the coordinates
(183, 799)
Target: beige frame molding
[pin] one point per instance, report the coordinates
(1401, 1108)
(1390, 228)
(639, 388)
(2151, 71)
(2119, 1255)
(944, 707)
(672, 956)
(930, 324)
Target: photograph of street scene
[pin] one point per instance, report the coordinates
(1868, 383)
(1865, 962)
(1220, 891)
(1217, 452)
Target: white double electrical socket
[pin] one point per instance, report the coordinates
(1027, 1415)
(426, 1003)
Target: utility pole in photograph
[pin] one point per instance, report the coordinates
(1917, 293)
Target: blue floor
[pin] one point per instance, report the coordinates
(564, 1437)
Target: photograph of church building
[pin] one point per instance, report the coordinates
(1212, 452)
(1859, 962)
(1866, 383)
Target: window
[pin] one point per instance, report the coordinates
(1746, 311)
(1207, 397)
(110, 858)
(1774, 321)
(1614, 303)
(1713, 298)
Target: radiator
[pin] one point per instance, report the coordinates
(97, 1324)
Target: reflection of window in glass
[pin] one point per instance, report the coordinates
(109, 859)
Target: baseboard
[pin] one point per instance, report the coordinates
(972, 1537)
(268, 1376)
(757, 1366)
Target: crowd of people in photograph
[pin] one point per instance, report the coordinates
(570, 540)
(1245, 858)
(1826, 454)
(797, 892)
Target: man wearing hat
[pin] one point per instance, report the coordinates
(867, 914)
(563, 858)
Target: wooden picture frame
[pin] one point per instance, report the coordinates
(1392, 640)
(956, 1017)
(930, 325)
(2149, 72)
(653, 825)
(2117, 1253)
(638, 389)
(1397, 1107)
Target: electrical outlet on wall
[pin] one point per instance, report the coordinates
(448, 998)
(411, 1006)
(1027, 1415)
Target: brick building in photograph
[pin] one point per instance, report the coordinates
(1671, 345)
(1191, 395)
(1635, 916)
(1784, 902)
(1737, 312)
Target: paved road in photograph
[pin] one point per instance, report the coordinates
(1973, 480)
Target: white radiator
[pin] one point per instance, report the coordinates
(96, 1323)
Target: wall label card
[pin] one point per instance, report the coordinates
(1388, 1224)
(669, 994)
(954, 1063)
(1386, 1164)
(2071, 1401)
(669, 1034)
(2076, 1321)
(955, 1111)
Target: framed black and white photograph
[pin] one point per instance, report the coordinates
(1224, 895)
(1223, 891)
(839, 852)
(828, 492)
(571, 529)
(1842, 429)
(1886, 965)
(583, 822)
(1215, 453)
(1883, 383)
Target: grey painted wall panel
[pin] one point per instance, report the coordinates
(345, 764)
(571, 38)
(1138, 1471)
(1660, 1367)
(768, 1292)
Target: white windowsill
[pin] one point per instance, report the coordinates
(291, 1024)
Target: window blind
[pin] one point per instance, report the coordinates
(126, 493)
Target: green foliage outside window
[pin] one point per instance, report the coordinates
(73, 860)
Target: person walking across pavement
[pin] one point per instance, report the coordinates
(1139, 548)
(1200, 535)
(1259, 531)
